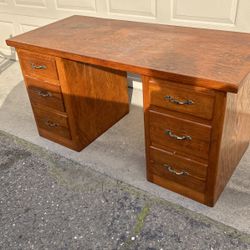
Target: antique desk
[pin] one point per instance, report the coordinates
(196, 89)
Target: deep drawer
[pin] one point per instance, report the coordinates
(53, 122)
(38, 66)
(44, 94)
(185, 172)
(178, 134)
(181, 98)
(175, 163)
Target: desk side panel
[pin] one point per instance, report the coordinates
(95, 98)
(235, 137)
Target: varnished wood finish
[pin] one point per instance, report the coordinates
(177, 187)
(45, 94)
(30, 60)
(216, 138)
(83, 63)
(227, 140)
(146, 106)
(187, 181)
(202, 99)
(235, 136)
(83, 104)
(58, 139)
(199, 143)
(191, 187)
(53, 122)
(95, 98)
(195, 169)
(209, 58)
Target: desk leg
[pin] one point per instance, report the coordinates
(95, 99)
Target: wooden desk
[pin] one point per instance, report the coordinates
(196, 87)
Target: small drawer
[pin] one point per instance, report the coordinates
(45, 94)
(181, 135)
(53, 122)
(38, 66)
(179, 170)
(195, 101)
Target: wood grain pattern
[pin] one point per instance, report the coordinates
(146, 105)
(194, 189)
(235, 137)
(229, 138)
(162, 179)
(27, 59)
(44, 94)
(49, 135)
(187, 181)
(203, 100)
(209, 58)
(198, 146)
(177, 187)
(193, 168)
(214, 152)
(95, 99)
(53, 122)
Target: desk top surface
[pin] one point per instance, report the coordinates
(210, 58)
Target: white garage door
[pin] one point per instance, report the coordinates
(17, 16)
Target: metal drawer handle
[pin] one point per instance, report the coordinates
(51, 124)
(44, 93)
(173, 171)
(185, 137)
(34, 66)
(185, 102)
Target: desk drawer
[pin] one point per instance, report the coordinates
(181, 98)
(38, 66)
(184, 136)
(44, 94)
(53, 122)
(175, 163)
(178, 170)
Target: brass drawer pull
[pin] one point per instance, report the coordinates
(44, 93)
(173, 171)
(186, 102)
(185, 137)
(34, 66)
(51, 124)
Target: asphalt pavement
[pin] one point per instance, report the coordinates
(50, 202)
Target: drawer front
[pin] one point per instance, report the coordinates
(178, 170)
(54, 123)
(176, 97)
(38, 66)
(185, 181)
(44, 94)
(177, 165)
(181, 135)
